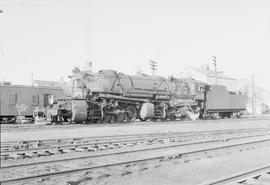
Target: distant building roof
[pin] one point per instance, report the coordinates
(44, 83)
(5, 83)
(207, 72)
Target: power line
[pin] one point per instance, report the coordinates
(215, 64)
(253, 100)
(153, 66)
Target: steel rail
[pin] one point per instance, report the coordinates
(77, 170)
(5, 128)
(140, 138)
(241, 176)
(95, 138)
(128, 151)
(107, 154)
(117, 142)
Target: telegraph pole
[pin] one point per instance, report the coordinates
(153, 66)
(215, 64)
(253, 102)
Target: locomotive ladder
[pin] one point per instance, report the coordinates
(19, 113)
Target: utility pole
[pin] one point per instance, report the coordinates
(253, 102)
(153, 66)
(215, 64)
(32, 79)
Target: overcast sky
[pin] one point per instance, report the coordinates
(50, 37)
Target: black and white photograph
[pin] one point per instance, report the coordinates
(135, 92)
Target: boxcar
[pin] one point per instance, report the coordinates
(21, 100)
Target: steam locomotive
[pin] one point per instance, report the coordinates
(108, 96)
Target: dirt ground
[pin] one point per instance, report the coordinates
(170, 172)
(131, 128)
(194, 172)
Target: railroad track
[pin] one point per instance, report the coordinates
(33, 149)
(32, 143)
(125, 159)
(30, 127)
(103, 152)
(257, 176)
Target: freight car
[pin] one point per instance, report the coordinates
(20, 101)
(108, 96)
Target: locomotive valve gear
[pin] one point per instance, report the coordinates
(106, 115)
(118, 116)
(131, 114)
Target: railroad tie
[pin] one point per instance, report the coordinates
(102, 147)
(160, 141)
(265, 178)
(55, 151)
(31, 154)
(252, 181)
(4, 156)
(92, 149)
(43, 153)
(81, 149)
(17, 156)
(68, 150)
(38, 144)
(166, 158)
(112, 146)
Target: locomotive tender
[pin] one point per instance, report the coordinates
(108, 96)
